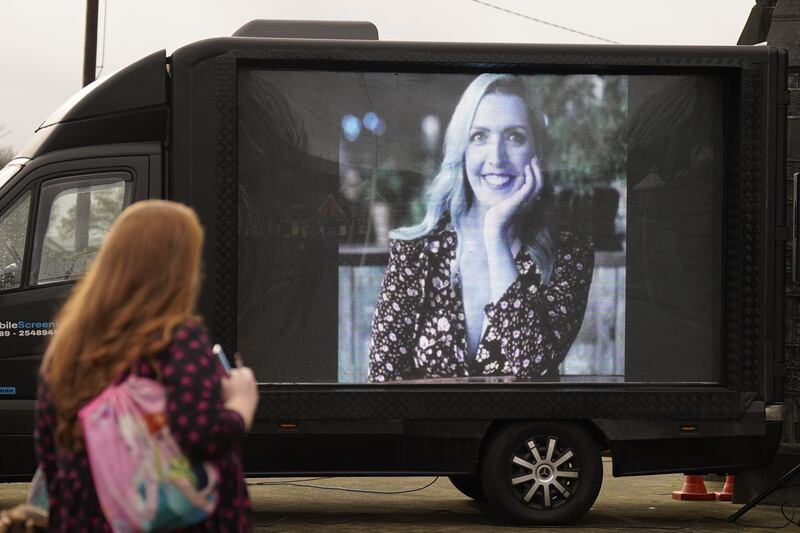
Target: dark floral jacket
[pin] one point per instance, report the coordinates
(419, 331)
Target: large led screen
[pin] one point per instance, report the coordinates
(437, 228)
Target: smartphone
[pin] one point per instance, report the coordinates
(223, 359)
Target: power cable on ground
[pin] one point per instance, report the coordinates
(304, 483)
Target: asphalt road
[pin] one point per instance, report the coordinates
(394, 505)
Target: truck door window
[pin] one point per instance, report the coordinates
(78, 216)
(13, 231)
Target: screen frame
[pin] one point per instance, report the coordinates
(204, 132)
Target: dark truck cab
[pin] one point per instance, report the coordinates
(166, 127)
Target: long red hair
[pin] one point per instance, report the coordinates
(143, 283)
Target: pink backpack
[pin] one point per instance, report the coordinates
(143, 480)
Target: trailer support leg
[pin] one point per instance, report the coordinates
(769, 490)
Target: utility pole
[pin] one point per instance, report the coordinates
(83, 199)
(90, 43)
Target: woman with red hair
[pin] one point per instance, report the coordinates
(134, 312)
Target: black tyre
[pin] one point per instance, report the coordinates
(469, 486)
(542, 472)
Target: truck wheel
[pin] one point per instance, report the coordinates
(542, 472)
(469, 486)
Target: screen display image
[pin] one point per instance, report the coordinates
(485, 227)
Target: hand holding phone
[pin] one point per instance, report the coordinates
(239, 389)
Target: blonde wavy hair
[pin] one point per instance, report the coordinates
(143, 283)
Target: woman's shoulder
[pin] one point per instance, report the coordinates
(190, 335)
(192, 323)
(433, 241)
(572, 239)
(189, 340)
(191, 328)
(574, 250)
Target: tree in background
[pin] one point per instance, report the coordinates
(586, 154)
(585, 115)
(6, 155)
(106, 204)
(6, 152)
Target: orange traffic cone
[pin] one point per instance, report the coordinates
(694, 489)
(727, 490)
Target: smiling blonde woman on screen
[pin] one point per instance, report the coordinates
(484, 285)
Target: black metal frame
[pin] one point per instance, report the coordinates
(204, 133)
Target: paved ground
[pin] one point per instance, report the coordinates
(624, 504)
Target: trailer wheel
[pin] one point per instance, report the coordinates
(542, 472)
(469, 486)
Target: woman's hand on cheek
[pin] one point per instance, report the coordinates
(499, 216)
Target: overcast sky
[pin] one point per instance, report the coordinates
(41, 41)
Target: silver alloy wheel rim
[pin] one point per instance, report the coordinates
(544, 472)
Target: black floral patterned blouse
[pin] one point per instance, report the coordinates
(419, 331)
(203, 428)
